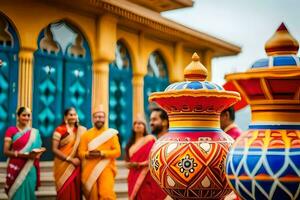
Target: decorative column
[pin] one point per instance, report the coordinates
(138, 79)
(138, 94)
(106, 39)
(25, 77)
(207, 57)
(100, 84)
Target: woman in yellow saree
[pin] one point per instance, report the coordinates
(66, 138)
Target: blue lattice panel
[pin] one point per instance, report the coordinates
(120, 112)
(8, 91)
(77, 88)
(4, 92)
(47, 98)
(120, 102)
(152, 84)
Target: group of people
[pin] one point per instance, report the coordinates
(84, 160)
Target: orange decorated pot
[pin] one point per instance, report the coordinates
(189, 161)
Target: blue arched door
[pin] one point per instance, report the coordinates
(156, 79)
(120, 93)
(62, 78)
(47, 93)
(78, 79)
(9, 48)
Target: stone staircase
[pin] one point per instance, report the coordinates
(47, 189)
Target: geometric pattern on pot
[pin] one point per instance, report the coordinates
(194, 85)
(262, 165)
(277, 61)
(191, 169)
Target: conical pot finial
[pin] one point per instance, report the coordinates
(276, 80)
(195, 71)
(281, 43)
(195, 94)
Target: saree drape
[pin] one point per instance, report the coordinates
(141, 185)
(23, 174)
(67, 176)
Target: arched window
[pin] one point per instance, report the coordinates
(62, 78)
(156, 79)
(120, 93)
(9, 48)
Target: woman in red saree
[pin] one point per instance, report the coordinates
(66, 138)
(22, 145)
(141, 185)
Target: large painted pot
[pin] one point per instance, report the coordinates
(189, 161)
(264, 163)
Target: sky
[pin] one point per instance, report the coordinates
(246, 23)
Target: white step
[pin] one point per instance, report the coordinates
(42, 193)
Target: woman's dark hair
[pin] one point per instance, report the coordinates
(132, 140)
(66, 112)
(20, 110)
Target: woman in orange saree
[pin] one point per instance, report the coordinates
(66, 138)
(141, 185)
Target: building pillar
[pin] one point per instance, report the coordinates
(106, 40)
(138, 94)
(101, 84)
(25, 77)
(207, 56)
(139, 72)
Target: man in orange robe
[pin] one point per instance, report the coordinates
(98, 149)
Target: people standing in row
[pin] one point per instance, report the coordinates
(65, 142)
(23, 147)
(98, 149)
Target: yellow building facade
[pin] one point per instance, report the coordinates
(102, 25)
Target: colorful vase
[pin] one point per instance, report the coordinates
(264, 163)
(189, 161)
